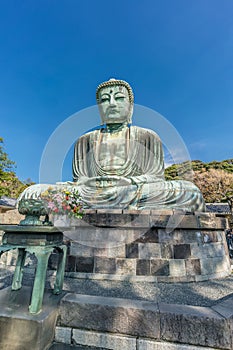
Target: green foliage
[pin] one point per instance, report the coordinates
(5, 163)
(10, 185)
(182, 170)
(179, 171)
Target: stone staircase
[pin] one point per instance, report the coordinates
(95, 322)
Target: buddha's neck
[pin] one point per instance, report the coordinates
(115, 127)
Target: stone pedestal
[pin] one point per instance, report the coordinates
(21, 330)
(163, 246)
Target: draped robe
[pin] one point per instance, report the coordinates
(123, 169)
(103, 160)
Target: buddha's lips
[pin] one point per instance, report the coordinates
(113, 110)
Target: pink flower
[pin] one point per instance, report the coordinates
(51, 205)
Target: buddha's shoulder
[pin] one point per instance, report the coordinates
(145, 132)
(89, 134)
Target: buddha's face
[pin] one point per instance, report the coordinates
(114, 105)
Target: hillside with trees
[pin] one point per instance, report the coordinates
(215, 179)
(10, 185)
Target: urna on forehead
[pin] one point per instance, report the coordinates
(121, 85)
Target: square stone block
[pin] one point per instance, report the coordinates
(104, 237)
(166, 250)
(211, 266)
(149, 236)
(131, 250)
(213, 250)
(159, 221)
(207, 267)
(197, 250)
(84, 264)
(105, 265)
(182, 251)
(126, 267)
(223, 264)
(184, 236)
(159, 267)
(212, 222)
(78, 249)
(63, 335)
(165, 236)
(149, 250)
(177, 268)
(135, 218)
(103, 340)
(188, 221)
(117, 251)
(143, 267)
(110, 219)
(193, 267)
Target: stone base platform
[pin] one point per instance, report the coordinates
(116, 324)
(162, 246)
(20, 330)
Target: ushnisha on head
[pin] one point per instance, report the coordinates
(115, 100)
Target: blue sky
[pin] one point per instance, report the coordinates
(176, 54)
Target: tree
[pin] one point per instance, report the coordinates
(179, 171)
(10, 185)
(5, 163)
(184, 170)
(216, 185)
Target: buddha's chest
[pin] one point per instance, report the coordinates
(112, 152)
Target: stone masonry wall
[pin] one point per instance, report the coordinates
(164, 246)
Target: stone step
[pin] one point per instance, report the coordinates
(60, 346)
(117, 323)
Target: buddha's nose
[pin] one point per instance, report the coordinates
(112, 101)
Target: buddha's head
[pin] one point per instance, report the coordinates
(115, 100)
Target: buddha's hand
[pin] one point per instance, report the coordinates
(33, 192)
(106, 181)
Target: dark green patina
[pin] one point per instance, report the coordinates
(40, 241)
